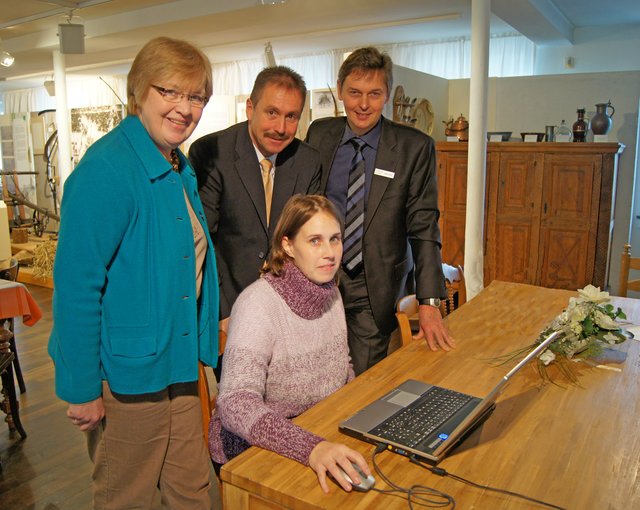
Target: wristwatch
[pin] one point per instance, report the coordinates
(434, 301)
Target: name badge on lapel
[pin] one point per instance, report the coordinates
(384, 173)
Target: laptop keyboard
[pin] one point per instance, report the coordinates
(414, 423)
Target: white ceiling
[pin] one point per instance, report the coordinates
(235, 29)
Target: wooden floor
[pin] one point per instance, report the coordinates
(50, 469)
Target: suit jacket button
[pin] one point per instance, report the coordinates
(261, 255)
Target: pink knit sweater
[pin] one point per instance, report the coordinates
(277, 364)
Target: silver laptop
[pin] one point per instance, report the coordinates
(424, 420)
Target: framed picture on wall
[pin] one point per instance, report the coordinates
(325, 103)
(89, 124)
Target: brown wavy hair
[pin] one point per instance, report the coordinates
(297, 211)
(162, 59)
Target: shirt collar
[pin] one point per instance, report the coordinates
(260, 156)
(371, 137)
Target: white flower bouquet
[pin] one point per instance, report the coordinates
(588, 326)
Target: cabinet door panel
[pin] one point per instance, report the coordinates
(452, 200)
(515, 181)
(512, 260)
(568, 188)
(456, 199)
(569, 220)
(564, 260)
(453, 248)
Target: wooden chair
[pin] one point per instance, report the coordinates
(11, 274)
(456, 297)
(208, 402)
(8, 400)
(406, 307)
(456, 289)
(628, 262)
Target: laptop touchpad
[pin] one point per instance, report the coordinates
(402, 398)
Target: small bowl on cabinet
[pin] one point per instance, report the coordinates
(504, 135)
(539, 136)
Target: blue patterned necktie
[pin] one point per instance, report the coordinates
(354, 222)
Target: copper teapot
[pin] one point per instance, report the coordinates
(458, 128)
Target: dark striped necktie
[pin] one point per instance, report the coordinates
(354, 222)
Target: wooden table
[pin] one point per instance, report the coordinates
(576, 447)
(15, 300)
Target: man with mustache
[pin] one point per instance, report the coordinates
(247, 172)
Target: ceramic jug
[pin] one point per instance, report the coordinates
(601, 122)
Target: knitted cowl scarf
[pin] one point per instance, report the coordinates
(305, 298)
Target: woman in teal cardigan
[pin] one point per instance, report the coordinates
(136, 291)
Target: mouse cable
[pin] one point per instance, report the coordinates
(420, 495)
(443, 472)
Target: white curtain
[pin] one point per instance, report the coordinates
(236, 78)
(319, 70)
(510, 55)
(445, 59)
(82, 92)
(28, 100)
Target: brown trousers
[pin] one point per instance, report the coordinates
(150, 442)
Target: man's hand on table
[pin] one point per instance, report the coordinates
(433, 329)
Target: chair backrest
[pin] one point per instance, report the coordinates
(406, 307)
(208, 402)
(456, 289)
(628, 262)
(11, 272)
(456, 296)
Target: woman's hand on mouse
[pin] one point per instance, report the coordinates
(329, 457)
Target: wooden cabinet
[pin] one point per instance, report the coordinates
(548, 210)
(452, 200)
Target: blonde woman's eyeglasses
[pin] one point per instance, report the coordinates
(173, 96)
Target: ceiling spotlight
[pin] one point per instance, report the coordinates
(6, 58)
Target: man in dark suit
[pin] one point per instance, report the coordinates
(382, 176)
(247, 172)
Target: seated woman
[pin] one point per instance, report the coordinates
(287, 347)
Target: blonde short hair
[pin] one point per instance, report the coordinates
(162, 59)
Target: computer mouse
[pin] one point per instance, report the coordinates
(366, 482)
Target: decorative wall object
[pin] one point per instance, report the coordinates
(89, 125)
(416, 112)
